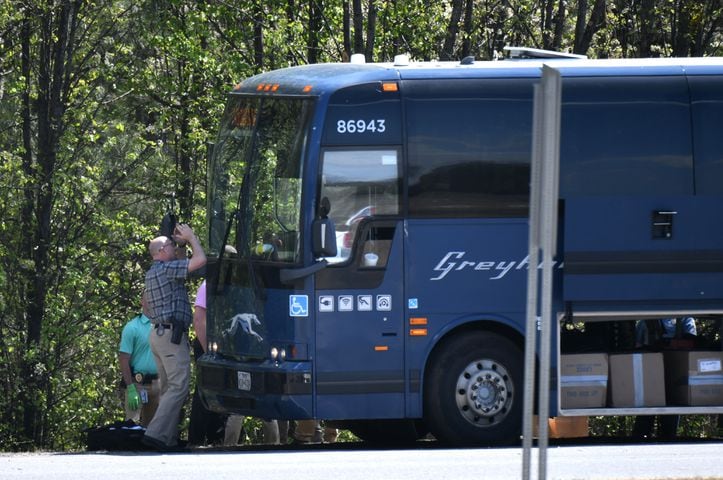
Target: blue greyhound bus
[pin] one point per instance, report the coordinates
(368, 235)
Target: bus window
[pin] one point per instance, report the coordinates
(376, 242)
(706, 93)
(625, 136)
(359, 184)
(469, 147)
(255, 179)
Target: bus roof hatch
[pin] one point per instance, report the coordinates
(526, 52)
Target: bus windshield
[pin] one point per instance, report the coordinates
(255, 178)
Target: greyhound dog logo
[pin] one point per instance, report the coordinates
(246, 321)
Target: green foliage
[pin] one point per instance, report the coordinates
(691, 426)
(107, 109)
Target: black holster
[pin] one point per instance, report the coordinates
(177, 331)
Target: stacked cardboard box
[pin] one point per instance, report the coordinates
(583, 380)
(646, 379)
(637, 380)
(694, 378)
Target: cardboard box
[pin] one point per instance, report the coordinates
(637, 380)
(563, 427)
(568, 427)
(694, 378)
(583, 380)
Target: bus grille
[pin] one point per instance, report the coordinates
(213, 378)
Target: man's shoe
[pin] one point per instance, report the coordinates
(155, 444)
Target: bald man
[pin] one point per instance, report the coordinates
(169, 309)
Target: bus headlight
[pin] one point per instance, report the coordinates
(278, 354)
(213, 347)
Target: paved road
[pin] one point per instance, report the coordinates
(660, 461)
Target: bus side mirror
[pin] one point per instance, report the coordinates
(323, 237)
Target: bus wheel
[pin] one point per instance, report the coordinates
(473, 390)
(387, 432)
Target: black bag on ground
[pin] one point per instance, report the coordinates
(121, 435)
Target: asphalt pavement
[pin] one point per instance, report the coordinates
(701, 460)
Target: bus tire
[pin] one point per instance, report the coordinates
(473, 390)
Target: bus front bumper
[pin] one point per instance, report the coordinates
(266, 390)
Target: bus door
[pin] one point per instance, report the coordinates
(359, 354)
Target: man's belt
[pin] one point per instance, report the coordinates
(144, 378)
(164, 325)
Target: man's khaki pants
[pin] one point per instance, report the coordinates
(174, 371)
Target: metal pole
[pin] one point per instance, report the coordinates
(548, 213)
(542, 240)
(532, 276)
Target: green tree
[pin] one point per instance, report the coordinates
(70, 258)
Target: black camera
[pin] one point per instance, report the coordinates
(168, 224)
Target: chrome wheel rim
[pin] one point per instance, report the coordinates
(484, 393)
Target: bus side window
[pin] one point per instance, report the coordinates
(375, 253)
(360, 183)
(375, 247)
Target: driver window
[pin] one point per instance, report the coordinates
(375, 245)
(359, 184)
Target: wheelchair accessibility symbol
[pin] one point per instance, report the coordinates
(298, 305)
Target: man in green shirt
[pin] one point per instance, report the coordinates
(140, 375)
